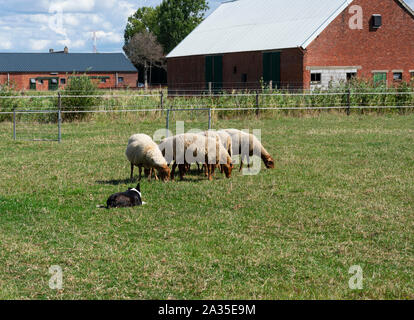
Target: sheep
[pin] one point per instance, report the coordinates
(223, 137)
(241, 141)
(185, 149)
(142, 151)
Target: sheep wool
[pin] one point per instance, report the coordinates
(142, 151)
(242, 141)
(191, 148)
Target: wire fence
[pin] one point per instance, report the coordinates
(50, 111)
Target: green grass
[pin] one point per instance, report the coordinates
(342, 194)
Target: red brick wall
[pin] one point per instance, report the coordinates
(391, 47)
(22, 80)
(188, 73)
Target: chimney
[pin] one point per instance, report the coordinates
(66, 50)
(51, 50)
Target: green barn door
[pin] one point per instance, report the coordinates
(214, 72)
(54, 84)
(271, 68)
(218, 73)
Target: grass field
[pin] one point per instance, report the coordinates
(342, 194)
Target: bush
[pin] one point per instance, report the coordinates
(83, 86)
(7, 105)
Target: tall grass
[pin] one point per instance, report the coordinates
(357, 93)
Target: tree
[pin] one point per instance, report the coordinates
(144, 18)
(176, 19)
(143, 49)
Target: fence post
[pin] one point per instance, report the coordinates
(168, 123)
(59, 117)
(209, 118)
(14, 124)
(257, 103)
(162, 99)
(348, 110)
(210, 87)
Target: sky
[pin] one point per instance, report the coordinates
(37, 26)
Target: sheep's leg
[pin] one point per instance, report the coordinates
(132, 171)
(241, 164)
(155, 175)
(210, 170)
(149, 175)
(140, 173)
(181, 168)
(173, 170)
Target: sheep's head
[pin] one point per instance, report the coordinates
(269, 162)
(227, 168)
(164, 173)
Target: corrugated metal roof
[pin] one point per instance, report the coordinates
(65, 62)
(251, 25)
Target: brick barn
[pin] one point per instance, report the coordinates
(51, 71)
(297, 44)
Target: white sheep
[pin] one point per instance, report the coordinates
(189, 148)
(221, 136)
(244, 144)
(143, 152)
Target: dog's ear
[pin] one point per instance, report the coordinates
(138, 187)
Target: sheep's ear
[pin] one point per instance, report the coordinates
(138, 187)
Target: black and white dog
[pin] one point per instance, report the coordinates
(130, 198)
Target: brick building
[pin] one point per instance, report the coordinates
(50, 71)
(296, 43)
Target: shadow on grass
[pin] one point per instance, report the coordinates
(117, 182)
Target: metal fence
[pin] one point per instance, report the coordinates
(159, 101)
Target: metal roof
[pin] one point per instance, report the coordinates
(65, 62)
(251, 25)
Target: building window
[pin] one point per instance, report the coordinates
(397, 76)
(32, 84)
(244, 77)
(380, 78)
(63, 81)
(103, 80)
(376, 21)
(120, 79)
(316, 78)
(41, 81)
(350, 76)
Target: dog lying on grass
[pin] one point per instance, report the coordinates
(130, 198)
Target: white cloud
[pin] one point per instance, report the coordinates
(35, 25)
(39, 44)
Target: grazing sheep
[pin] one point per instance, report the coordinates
(242, 141)
(185, 149)
(143, 152)
(223, 137)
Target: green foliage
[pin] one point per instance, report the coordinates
(7, 105)
(81, 86)
(170, 22)
(177, 18)
(144, 19)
